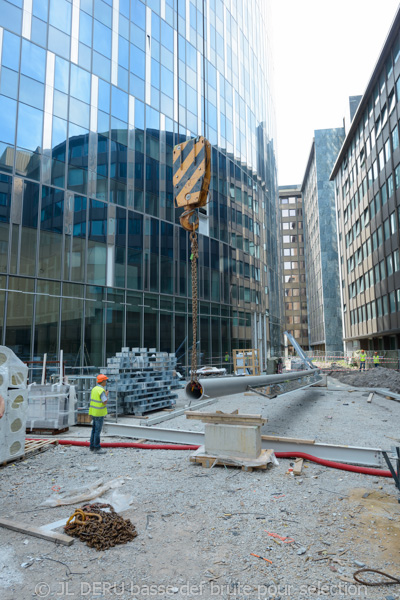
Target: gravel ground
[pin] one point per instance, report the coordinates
(378, 377)
(198, 527)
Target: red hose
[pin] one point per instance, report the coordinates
(309, 457)
(124, 445)
(335, 465)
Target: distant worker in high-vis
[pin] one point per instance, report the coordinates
(376, 359)
(363, 358)
(98, 410)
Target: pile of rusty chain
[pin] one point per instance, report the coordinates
(100, 529)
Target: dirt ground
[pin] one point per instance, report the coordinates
(199, 528)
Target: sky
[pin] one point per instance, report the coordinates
(323, 52)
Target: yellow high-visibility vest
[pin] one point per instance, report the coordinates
(376, 360)
(96, 408)
(363, 357)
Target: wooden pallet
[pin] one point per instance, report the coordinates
(84, 419)
(247, 464)
(44, 431)
(32, 447)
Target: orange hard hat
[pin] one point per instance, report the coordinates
(101, 378)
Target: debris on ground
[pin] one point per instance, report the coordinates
(378, 377)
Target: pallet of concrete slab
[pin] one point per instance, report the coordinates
(51, 408)
(140, 409)
(208, 461)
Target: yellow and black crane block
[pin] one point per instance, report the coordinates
(191, 176)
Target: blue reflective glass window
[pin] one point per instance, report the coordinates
(155, 27)
(59, 42)
(154, 5)
(30, 209)
(138, 36)
(167, 36)
(7, 126)
(119, 104)
(104, 96)
(80, 84)
(102, 12)
(61, 75)
(103, 122)
(191, 56)
(123, 78)
(30, 125)
(155, 74)
(52, 210)
(10, 55)
(97, 221)
(101, 66)
(9, 83)
(123, 27)
(85, 57)
(39, 32)
(87, 6)
(40, 9)
(167, 59)
(136, 87)
(31, 92)
(60, 15)
(139, 114)
(124, 7)
(152, 118)
(138, 13)
(102, 39)
(123, 52)
(79, 112)
(60, 104)
(191, 98)
(10, 17)
(85, 29)
(138, 62)
(59, 132)
(167, 105)
(80, 216)
(33, 61)
(167, 82)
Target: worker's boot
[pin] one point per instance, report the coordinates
(100, 451)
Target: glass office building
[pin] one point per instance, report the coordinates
(93, 96)
(367, 185)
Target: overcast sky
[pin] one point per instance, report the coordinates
(323, 53)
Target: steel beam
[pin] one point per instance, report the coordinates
(368, 457)
(176, 413)
(215, 387)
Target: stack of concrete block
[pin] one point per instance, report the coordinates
(13, 389)
(51, 406)
(140, 381)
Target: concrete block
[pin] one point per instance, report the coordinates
(322, 383)
(236, 440)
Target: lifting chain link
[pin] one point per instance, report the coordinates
(100, 529)
(194, 258)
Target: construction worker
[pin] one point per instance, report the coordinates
(98, 410)
(2, 406)
(363, 358)
(376, 359)
(226, 356)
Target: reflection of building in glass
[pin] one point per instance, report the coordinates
(294, 272)
(366, 176)
(320, 234)
(93, 97)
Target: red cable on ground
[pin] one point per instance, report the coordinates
(309, 457)
(335, 465)
(123, 445)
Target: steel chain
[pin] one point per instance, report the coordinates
(100, 529)
(194, 258)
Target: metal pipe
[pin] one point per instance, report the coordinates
(215, 387)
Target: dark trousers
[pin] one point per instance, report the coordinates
(362, 366)
(376, 365)
(97, 426)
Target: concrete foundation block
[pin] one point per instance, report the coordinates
(236, 440)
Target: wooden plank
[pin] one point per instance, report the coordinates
(247, 464)
(275, 438)
(298, 464)
(225, 418)
(370, 397)
(60, 538)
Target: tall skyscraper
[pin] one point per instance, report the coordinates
(367, 181)
(321, 246)
(93, 96)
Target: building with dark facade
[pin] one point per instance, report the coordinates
(366, 176)
(322, 267)
(93, 97)
(293, 262)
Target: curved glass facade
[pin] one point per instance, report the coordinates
(93, 96)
